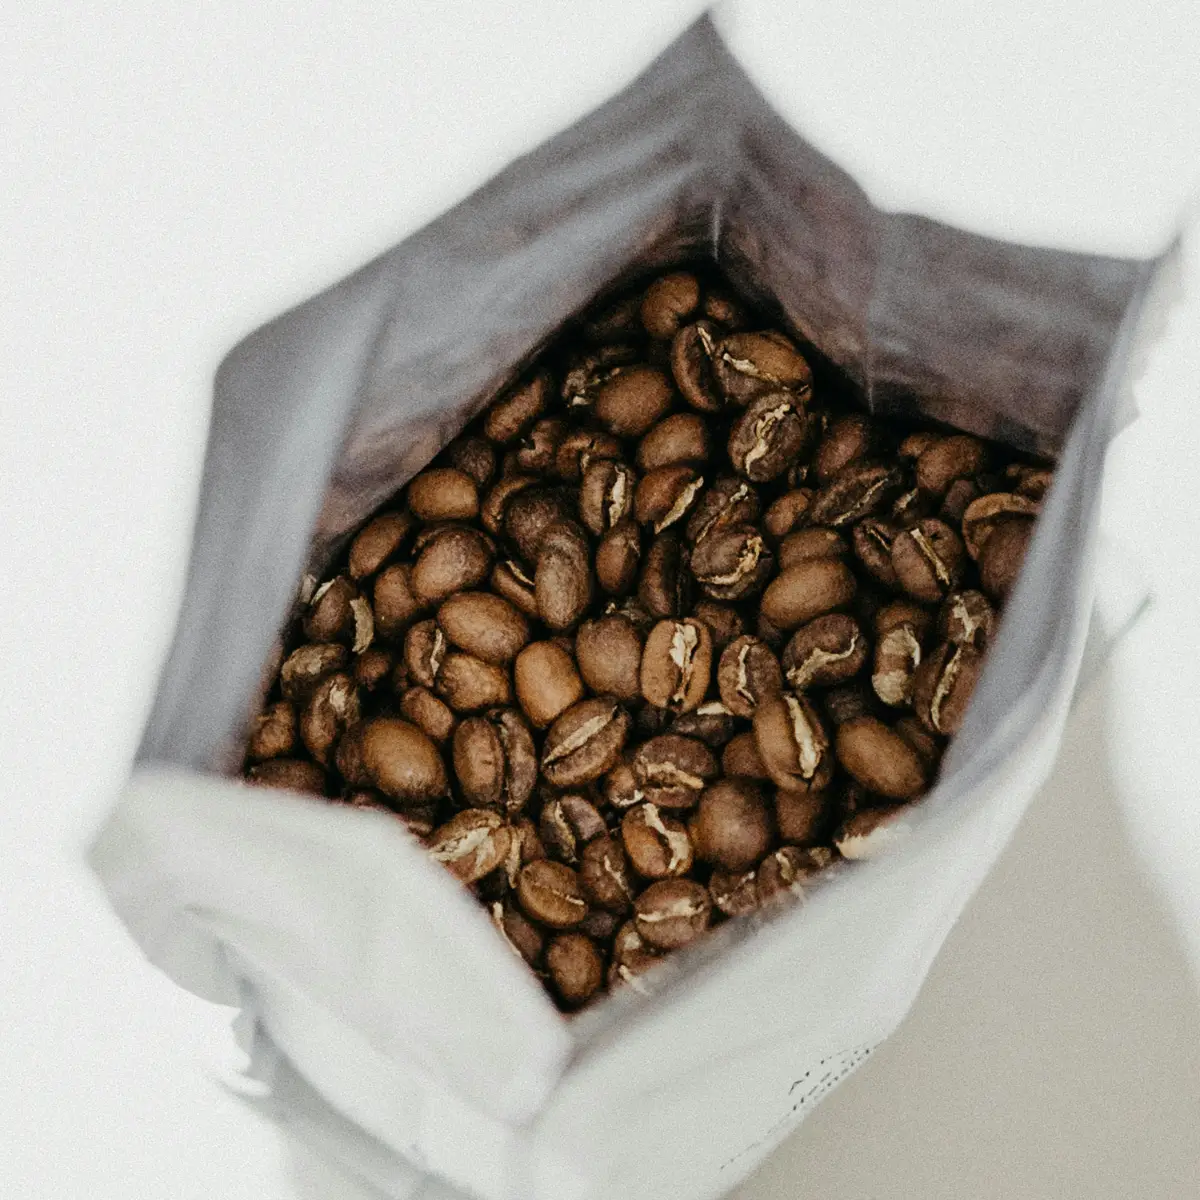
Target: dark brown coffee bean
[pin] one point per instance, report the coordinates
(712, 723)
(585, 742)
(828, 650)
(725, 309)
(732, 563)
(457, 559)
(425, 649)
(273, 734)
(606, 494)
(617, 558)
(537, 449)
(1032, 482)
(960, 495)
(401, 761)
(349, 761)
(668, 303)
(856, 491)
(621, 788)
(680, 438)
(880, 759)
(443, 494)
(629, 404)
(750, 365)
(673, 912)
(910, 506)
(788, 512)
(546, 681)
(469, 684)
(380, 539)
(665, 496)
(292, 774)
(747, 674)
(672, 770)
(330, 616)
(575, 967)
(942, 687)
(493, 510)
(967, 619)
(514, 583)
(693, 350)
(521, 934)
(949, 459)
(928, 560)
(513, 413)
(793, 744)
(372, 667)
(741, 757)
(873, 539)
(677, 664)
(396, 605)
(604, 874)
(587, 372)
(609, 654)
(986, 514)
(568, 822)
(733, 893)
(471, 844)
(582, 447)
(873, 831)
(332, 707)
(664, 587)
(531, 512)
(802, 818)
(1002, 557)
(474, 456)
(807, 590)
(847, 440)
(563, 582)
(806, 544)
(724, 622)
(434, 717)
(847, 701)
(773, 430)
(732, 828)
(495, 761)
(306, 667)
(921, 740)
(550, 892)
(600, 926)
(483, 625)
(769, 632)
(726, 503)
(915, 444)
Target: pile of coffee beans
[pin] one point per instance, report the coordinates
(661, 639)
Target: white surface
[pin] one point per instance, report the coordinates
(174, 178)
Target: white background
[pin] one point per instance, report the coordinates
(174, 177)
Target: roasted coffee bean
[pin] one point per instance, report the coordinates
(693, 350)
(859, 490)
(725, 309)
(331, 708)
(733, 893)
(673, 912)
(904, 612)
(379, 540)
(921, 740)
(425, 648)
(871, 832)
(521, 934)
(960, 495)
(304, 668)
(372, 667)
(807, 590)
(600, 925)
(845, 702)
(585, 742)
(1033, 482)
(396, 604)
(568, 822)
(273, 734)
(474, 456)
(847, 440)
(531, 512)
(732, 563)
(495, 760)
(471, 844)
(513, 413)
(515, 584)
(897, 656)
(732, 828)
(664, 587)
(747, 674)
(631, 608)
(724, 622)
(420, 821)
(617, 558)
(910, 506)
(443, 494)
(606, 494)
(726, 503)
(769, 632)
(563, 583)
(454, 561)
(575, 967)
(677, 664)
(967, 619)
(915, 444)
(787, 512)
(750, 365)
(946, 460)
(469, 684)
(587, 372)
(621, 788)
(349, 761)
(828, 650)
(434, 717)
(651, 721)
(1002, 557)
(632, 957)
(768, 435)
(988, 513)
(609, 654)
(546, 682)
(806, 544)
(536, 451)
(942, 687)
(401, 761)
(604, 874)
(741, 757)
(679, 438)
(665, 495)
(582, 447)
(928, 560)
(669, 301)
(672, 770)
(550, 892)
(331, 614)
(802, 818)
(793, 743)
(873, 539)
(484, 625)
(880, 759)
(493, 510)
(785, 876)
(712, 723)
(292, 774)
(629, 404)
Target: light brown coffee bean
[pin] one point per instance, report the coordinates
(664, 496)
(657, 845)
(679, 438)
(693, 350)
(985, 515)
(724, 622)
(967, 619)
(304, 668)
(873, 539)
(494, 509)
(668, 303)
(673, 912)
(568, 822)
(870, 833)
(291, 774)
(665, 584)
(425, 648)
(1002, 557)
(732, 563)
(712, 723)
(928, 560)
(897, 656)
(621, 788)
(921, 740)
(468, 684)
(828, 650)
(741, 757)
(454, 561)
(531, 512)
(788, 512)
(606, 494)
(550, 892)
(495, 760)
(749, 365)
(471, 844)
(949, 459)
(942, 687)
(372, 667)
(618, 556)
(434, 717)
(484, 625)
(443, 494)
(672, 770)
(793, 743)
(847, 440)
(732, 828)
(510, 580)
(513, 413)
(677, 664)
(728, 502)
(604, 874)
(747, 674)
(585, 742)
(401, 761)
(395, 603)
(1032, 482)
(575, 967)
(632, 957)
(609, 654)
(880, 759)
(273, 734)
(807, 590)
(526, 940)
(379, 540)
(537, 449)
(859, 490)
(806, 544)
(802, 818)
(773, 430)
(904, 612)
(733, 893)
(563, 582)
(785, 876)
(547, 682)
(332, 707)
(630, 403)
